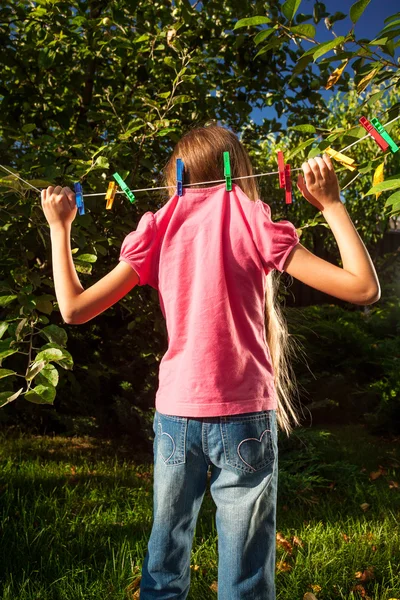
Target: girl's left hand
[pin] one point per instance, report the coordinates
(59, 205)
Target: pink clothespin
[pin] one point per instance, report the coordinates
(288, 185)
(281, 169)
(383, 145)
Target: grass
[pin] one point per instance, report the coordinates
(76, 515)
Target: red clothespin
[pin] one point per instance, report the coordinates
(281, 169)
(383, 145)
(288, 185)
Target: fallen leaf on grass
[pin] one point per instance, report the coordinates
(364, 506)
(284, 543)
(214, 586)
(393, 484)
(309, 596)
(134, 587)
(366, 575)
(297, 541)
(361, 590)
(283, 566)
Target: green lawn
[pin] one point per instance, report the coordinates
(76, 516)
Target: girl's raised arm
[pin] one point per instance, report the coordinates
(76, 304)
(357, 281)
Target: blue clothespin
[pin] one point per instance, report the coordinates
(79, 198)
(179, 176)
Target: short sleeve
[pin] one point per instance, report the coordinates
(274, 240)
(138, 249)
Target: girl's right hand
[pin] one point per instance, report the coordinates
(321, 186)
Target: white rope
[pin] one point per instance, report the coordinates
(203, 182)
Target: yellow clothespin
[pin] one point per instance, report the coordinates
(112, 188)
(342, 158)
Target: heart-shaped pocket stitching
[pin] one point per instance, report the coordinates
(173, 443)
(247, 440)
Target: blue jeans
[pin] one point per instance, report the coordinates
(242, 453)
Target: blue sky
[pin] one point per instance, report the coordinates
(369, 24)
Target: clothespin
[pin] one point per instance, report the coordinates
(110, 195)
(227, 172)
(179, 176)
(383, 145)
(380, 129)
(346, 161)
(79, 198)
(281, 168)
(288, 185)
(124, 187)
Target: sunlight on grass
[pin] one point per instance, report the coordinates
(77, 515)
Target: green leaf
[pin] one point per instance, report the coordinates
(6, 349)
(102, 162)
(6, 373)
(301, 64)
(83, 267)
(44, 305)
(89, 258)
(28, 127)
(48, 375)
(390, 184)
(250, 21)
(55, 334)
(304, 128)
(141, 38)
(170, 62)
(274, 43)
(262, 35)
(325, 47)
(41, 394)
(289, 8)
(306, 30)
(393, 199)
(3, 328)
(6, 300)
(34, 369)
(64, 360)
(6, 397)
(181, 99)
(300, 147)
(357, 9)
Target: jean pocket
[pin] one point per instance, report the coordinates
(249, 440)
(171, 439)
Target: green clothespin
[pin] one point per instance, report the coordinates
(227, 172)
(380, 129)
(124, 187)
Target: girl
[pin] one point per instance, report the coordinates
(223, 382)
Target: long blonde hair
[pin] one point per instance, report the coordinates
(201, 150)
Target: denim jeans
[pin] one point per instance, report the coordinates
(242, 453)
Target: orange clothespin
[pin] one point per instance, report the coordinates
(110, 195)
(288, 185)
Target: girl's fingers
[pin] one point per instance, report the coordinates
(328, 162)
(315, 169)
(71, 197)
(322, 167)
(308, 174)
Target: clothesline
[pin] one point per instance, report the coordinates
(204, 182)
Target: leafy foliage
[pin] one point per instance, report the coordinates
(91, 88)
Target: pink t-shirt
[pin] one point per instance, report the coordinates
(207, 253)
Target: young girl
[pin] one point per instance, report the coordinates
(223, 382)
